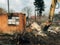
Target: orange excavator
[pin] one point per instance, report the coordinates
(51, 15)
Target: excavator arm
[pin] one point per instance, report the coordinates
(51, 15)
(52, 9)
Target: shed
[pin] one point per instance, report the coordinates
(14, 22)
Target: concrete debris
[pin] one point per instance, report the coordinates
(57, 29)
(37, 29)
(34, 25)
(54, 29)
(41, 33)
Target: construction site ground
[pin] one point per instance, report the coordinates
(28, 38)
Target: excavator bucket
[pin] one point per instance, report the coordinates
(47, 25)
(46, 28)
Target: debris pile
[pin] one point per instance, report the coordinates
(37, 36)
(50, 39)
(34, 35)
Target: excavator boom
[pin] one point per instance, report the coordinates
(51, 15)
(52, 9)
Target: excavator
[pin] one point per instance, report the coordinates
(51, 15)
(49, 22)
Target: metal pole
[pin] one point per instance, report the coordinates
(8, 5)
(35, 14)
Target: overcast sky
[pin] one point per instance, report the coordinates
(18, 5)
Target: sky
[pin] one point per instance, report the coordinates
(18, 5)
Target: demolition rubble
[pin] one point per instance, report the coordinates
(33, 35)
(38, 36)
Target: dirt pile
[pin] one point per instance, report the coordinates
(50, 39)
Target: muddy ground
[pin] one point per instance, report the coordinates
(28, 38)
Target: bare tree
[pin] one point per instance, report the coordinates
(27, 10)
(11, 11)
